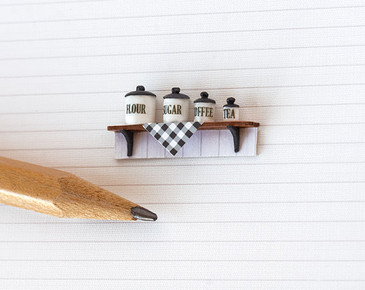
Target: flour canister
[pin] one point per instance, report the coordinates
(175, 107)
(204, 108)
(231, 111)
(140, 106)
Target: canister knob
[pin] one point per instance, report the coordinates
(204, 95)
(175, 90)
(230, 101)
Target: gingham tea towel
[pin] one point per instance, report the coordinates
(172, 136)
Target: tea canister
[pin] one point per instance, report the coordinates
(231, 111)
(175, 107)
(204, 108)
(140, 106)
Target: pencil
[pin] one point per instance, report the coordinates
(62, 194)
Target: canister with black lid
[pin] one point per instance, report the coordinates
(204, 108)
(175, 107)
(140, 106)
(231, 111)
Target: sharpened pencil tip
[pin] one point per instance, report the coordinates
(141, 213)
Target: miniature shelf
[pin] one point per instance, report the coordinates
(233, 126)
(205, 126)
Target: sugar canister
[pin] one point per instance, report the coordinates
(140, 106)
(231, 111)
(204, 108)
(175, 107)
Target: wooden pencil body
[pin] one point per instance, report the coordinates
(58, 193)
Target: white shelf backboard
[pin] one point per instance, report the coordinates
(204, 143)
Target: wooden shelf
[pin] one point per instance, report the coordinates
(205, 126)
(232, 126)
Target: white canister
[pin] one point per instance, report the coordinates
(204, 108)
(175, 107)
(231, 111)
(140, 107)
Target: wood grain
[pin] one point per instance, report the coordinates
(205, 126)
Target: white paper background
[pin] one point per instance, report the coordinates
(292, 217)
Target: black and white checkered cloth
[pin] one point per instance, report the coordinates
(172, 136)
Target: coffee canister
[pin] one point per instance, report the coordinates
(204, 108)
(140, 106)
(175, 107)
(231, 111)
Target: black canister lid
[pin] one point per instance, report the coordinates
(230, 103)
(140, 91)
(175, 94)
(204, 98)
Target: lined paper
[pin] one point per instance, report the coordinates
(292, 217)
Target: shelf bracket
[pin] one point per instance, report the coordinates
(128, 135)
(235, 131)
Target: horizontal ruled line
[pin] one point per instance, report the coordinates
(69, 149)
(234, 183)
(50, 2)
(183, 241)
(269, 202)
(230, 183)
(112, 147)
(181, 52)
(219, 109)
(182, 222)
(231, 202)
(186, 260)
(187, 89)
(261, 125)
(178, 279)
(208, 164)
(180, 33)
(182, 71)
(170, 15)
